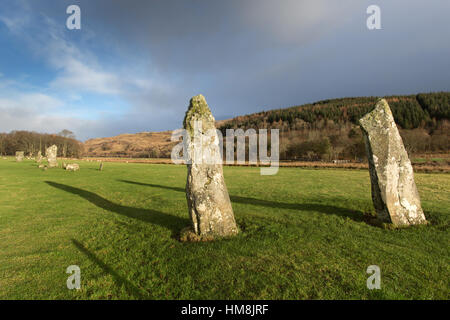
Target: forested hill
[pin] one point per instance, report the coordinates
(410, 112)
(328, 129)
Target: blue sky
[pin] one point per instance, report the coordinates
(135, 64)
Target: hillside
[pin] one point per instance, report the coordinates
(323, 130)
(410, 112)
(329, 129)
(139, 145)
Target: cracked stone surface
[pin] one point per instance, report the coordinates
(207, 195)
(394, 192)
(51, 153)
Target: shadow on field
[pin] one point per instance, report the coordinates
(168, 221)
(153, 185)
(327, 209)
(120, 281)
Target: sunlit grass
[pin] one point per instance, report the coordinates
(303, 236)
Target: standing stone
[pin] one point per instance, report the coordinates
(50, 153)
(394, 191)
(101, 166)
(207, 196)
(39, 157)
(19, 156)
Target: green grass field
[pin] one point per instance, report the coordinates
(303, 236)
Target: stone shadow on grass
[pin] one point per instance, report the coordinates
(168, 221)
(327, 209)
(120, 281)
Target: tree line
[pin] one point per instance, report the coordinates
(32, 142)
(329, 129)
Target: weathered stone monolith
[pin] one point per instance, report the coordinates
(51, 153)
(19, 156)
(207, 196)
(394, 192)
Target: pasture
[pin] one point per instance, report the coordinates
(304, 235)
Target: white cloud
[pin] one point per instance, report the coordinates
(14, 24)
(30, 111)
(77, 70)
(78, 76)
(29, 103)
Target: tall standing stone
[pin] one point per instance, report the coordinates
(394, 192)
(19, 156)
(51, 153)
(207, 195)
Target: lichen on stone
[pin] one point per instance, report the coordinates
(198, 110)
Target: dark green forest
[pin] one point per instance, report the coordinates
(329, 129)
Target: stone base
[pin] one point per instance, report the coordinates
(377, 222)
(188, 235)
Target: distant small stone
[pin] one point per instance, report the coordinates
(19, 156)
(72, 167)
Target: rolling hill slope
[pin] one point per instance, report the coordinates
(319, 131)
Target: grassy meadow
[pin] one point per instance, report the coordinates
(303, 236)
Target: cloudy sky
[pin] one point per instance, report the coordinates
(134, 64)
